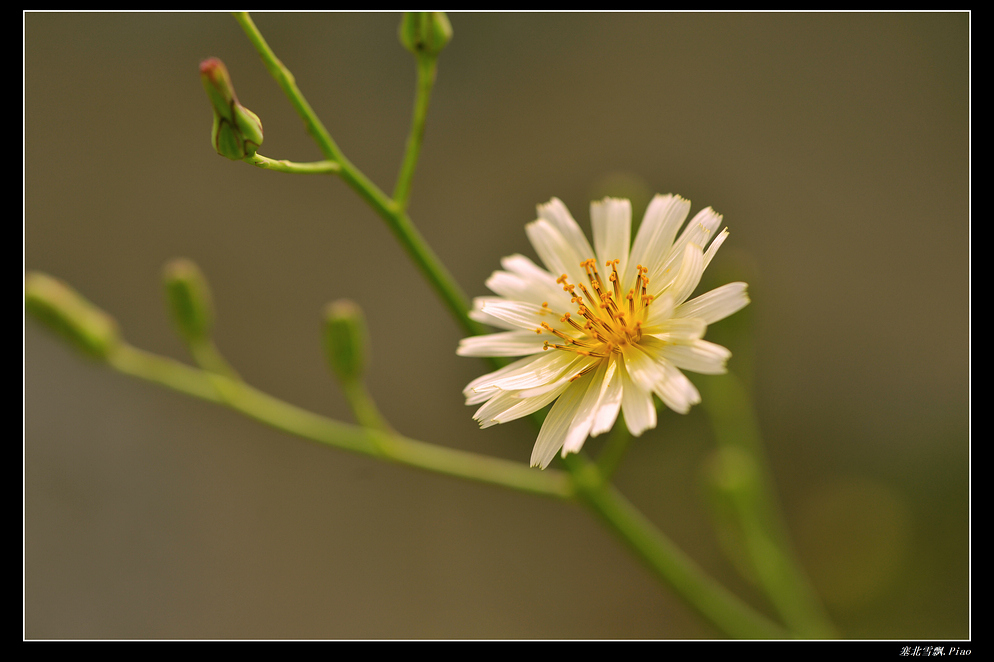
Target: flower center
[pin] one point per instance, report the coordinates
(605, 321)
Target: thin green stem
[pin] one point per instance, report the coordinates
(709, 598)
(164, 372)
(392, 213)
(764, 533)
(313, 168)
(296, 421)
(427, 67)
(287, 82)
(417, 248)
(207, 356)
(614, 450)
(366, 413)
(584, 481)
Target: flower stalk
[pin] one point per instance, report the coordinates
(708, 598)
(345, 346)
(282, 165)
(583, 480)
(190, 304)
(425, 34)
(387, 208)
(293, 420)
(741, 480)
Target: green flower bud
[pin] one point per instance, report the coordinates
(237, 131)
(425, 32)
(189, 299)
(67, 313)
(345, 339)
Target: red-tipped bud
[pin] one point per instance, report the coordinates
(237, 131)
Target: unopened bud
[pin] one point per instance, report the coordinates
(425, 32)
(67, 313)
(237, 131)
(345, 339)
(189, 299)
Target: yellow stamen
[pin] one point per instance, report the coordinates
(608, 325)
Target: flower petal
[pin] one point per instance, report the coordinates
(698, 231)
(558, 422)
(503, 401)
(478, 315)
(663, 217)
(524, 267)
(525, 281)
(519, 314)
(524, 373)
(636, 403)
(579, 366)
(660, 310)
(715, 305)
(583, 420)
(651, 371)
(675, 390)
(556, 213)
(509, 406)
(508, 343)
(611, 222)
(687, 278)
(481, 389)
(548, 368)
(700, 356)
(599, 407)
(610, 400)
(715, 245)
(678, 331)
(556, 252)
(644, 369)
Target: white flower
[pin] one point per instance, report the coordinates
(605, 327)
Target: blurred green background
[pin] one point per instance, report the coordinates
(836, 146)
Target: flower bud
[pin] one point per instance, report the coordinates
(237, 131)
(345, 339)
(67, 313)
(189, 299)
(425, 32)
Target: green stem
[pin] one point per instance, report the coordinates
(206, 355)
(366, 413)
(427, 67)
(392, 213)
(614, 450)
(314, 168)
(296, 421)
(287, 82)
(709, 598)
(584, 481)
(764, 533)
